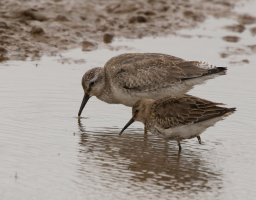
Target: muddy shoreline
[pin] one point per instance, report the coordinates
(30, 29)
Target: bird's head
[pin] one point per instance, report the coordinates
(93, 84)
(140, 112)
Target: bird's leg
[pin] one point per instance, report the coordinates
(199, 139)
(145, 130)
(145, 133)
(178, 141)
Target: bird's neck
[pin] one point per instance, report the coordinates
(147, 111)
(106, 96)
(104, 92)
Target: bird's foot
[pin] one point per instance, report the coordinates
(179, 145)
(199, 139)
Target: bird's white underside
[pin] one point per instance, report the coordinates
(128, 98)
(185, 131)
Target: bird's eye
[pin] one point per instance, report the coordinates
(92, 83)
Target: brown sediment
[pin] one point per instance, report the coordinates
(239, 28)
(224, 55)
(36, 27)
(253, 48)
(247, 19)
(253, 31)
(231, 38)
(237, 51)
(108, 37)
(89, 45)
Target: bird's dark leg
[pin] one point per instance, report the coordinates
(178, 141)
(199, 139)
(145, 130)
(145, 133)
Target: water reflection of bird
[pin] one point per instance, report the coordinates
(129, 77)
(135, 160)
(177, 118)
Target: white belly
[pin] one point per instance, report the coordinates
(128, 98)
(185, 131)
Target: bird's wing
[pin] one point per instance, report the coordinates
(170, 112)
(144, 72)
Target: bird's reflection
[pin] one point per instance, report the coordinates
(140, 159)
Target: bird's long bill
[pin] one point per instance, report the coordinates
(85, 99)
(127, 125)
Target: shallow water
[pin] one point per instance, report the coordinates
(47, 153)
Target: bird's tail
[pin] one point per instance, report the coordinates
(212, 71)
(231, 109)
(216, 70)
(228, 111)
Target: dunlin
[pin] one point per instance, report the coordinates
(129, 77)
(177, 118)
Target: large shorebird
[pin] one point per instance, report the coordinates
(177, 118)
(129, 77)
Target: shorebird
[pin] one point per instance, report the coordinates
(177, 118)
(129, 77)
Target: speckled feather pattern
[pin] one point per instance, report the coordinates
(150, 71)
(171, 112)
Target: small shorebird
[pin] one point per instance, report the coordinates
(177, 118)
(129, 77)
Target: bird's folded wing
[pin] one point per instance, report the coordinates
(145, 72)
(170, 112)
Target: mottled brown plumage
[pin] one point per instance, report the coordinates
(178, 118)
(151, 71)
(170, 112)
(129, 77)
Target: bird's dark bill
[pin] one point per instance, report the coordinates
(127, 125)
(85, 99)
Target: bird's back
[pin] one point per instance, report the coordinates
(151, 71)
(173, 112)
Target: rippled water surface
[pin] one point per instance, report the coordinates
(47, 153)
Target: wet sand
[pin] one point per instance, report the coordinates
(47, 153)
(38, 27)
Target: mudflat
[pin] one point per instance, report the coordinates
(36, 27)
